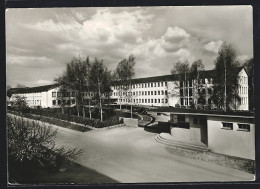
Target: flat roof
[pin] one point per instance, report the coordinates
(173, 110)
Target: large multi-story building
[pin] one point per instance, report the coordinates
(167, 90)
(164, 90)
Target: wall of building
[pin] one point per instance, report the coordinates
(243, 90)
(150, 94)
(232, 142)
(196, 134)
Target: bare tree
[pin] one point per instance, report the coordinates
(75, 78)
(125, 72)
(100, 83)
(225, 79)
(195, 74)
(181, 76)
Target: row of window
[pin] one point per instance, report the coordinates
(73, 94)
(189, 92)
(243, 80)
(189, 101)
(244, 100)
(140, 93)
(35, 102)
(143, 101)
(242, 90)
(58, 102)
(241, 126)
(143, 85)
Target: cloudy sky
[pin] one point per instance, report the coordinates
(40, 41)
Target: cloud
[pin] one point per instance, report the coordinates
(45, 39)
(30, 61)
(213, 46)
(175, 34)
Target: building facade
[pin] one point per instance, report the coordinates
(232, 135)
(151, 91)
(168, 91)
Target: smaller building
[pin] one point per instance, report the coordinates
(229, 134)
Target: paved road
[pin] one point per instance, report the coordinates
(129, 155)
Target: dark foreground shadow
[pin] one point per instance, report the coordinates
(71, 173)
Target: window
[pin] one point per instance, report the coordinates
(154, 84)
(183, 121)
(243, 127)
(151, 84)
(158, 84)
(186, 92)
(155, 100)
(142, 92)
(190, 83)
(53, 94)
(59, 94)
(162, 100)
(165, 93)
(182, 102)
(154, 92)
(162, 92)
(145, 100)
(142, 100)
(145, 92)
(59, 102)
(54, 102)
(165, 84)
(190, 92)
(151, 92)
(158, 100)
(158, 92)
(195, 121)
(148, 100)
(228, 126)
(148, 92)
(151, 100)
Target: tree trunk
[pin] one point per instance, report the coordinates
(77, 106)
(83, 111)
(131, 111)
(62, 108)
(89, 109)
(100, 103)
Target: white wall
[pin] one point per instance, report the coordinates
(231, 142)
(243, 90)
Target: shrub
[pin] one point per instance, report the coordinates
(31, 143)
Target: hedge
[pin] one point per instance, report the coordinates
(77, 119)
